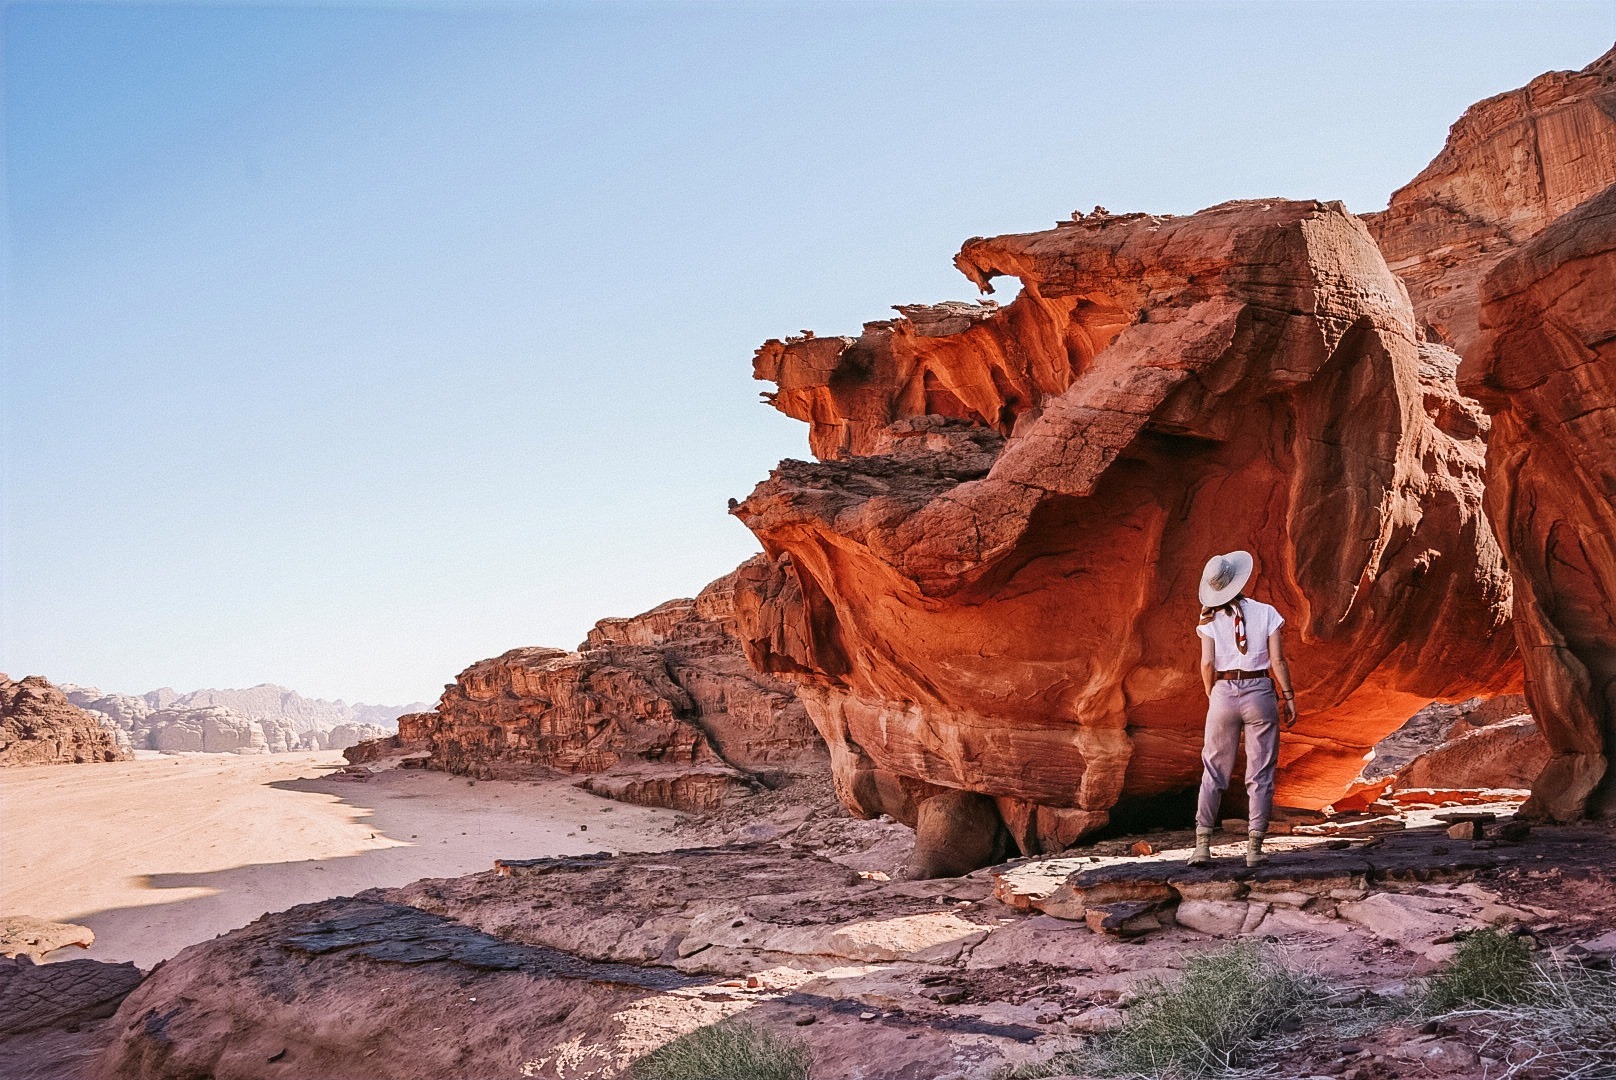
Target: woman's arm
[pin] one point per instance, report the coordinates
(1209, 669)
(1282, 678)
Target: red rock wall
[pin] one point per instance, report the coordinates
(1512, 164)
(1545, 366)
(39, 726)
(989, 583)
(664, 701)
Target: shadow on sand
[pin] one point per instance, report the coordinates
(403, 827)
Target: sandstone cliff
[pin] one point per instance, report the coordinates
(1512, 164)
(1545, 367)
(660, 709)
(988, 584)
(39, 726)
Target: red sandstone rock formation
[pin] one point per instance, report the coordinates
(660, 709)
(988, 584)
(1512, 164)
(1545, 367)
(39, 726)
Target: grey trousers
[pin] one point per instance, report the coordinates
(1250, 703)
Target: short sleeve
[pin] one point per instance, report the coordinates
(1205, 630)
(1275, 620)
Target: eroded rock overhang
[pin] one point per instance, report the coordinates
(986, 584)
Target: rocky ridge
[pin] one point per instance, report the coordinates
(260, 719)
(1512, 165)
(40, 726)
(660, 709)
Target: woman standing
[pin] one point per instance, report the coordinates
(1241, 661)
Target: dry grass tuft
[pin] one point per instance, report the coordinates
(730, 1050)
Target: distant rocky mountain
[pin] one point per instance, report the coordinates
(39, 726)
(264, 719)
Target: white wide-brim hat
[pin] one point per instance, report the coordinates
(1224, 577)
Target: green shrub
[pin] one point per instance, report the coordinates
(729, 1050)
(1204, 1021)
(1490, 969)
(1201, 1023)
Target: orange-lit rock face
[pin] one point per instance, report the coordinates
(1545, 366)
(1512, 164)
(990, 583)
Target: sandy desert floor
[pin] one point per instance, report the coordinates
(157, 854)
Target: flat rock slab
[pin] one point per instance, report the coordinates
(1290, 877)
(59, 995)
(24, 935)
(398, 934)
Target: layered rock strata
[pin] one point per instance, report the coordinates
(39, 726)
(988, 583)
(1545, 367)
(660, 709)
(1512, 164)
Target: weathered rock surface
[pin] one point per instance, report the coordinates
(1508, 754)
(1512, 164)
(24, 935)
(1545, 368)
(59, 995)
(989, 585)
(660, 709)
(39, 726)
(1480, 746)
(344, 988)
(1436, 725)
(882, 980)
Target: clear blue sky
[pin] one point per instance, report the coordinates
(347, 345)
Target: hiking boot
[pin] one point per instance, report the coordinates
(1254, 851)
(1202, 856)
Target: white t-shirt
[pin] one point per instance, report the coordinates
(1261, 620)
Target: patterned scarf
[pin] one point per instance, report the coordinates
(1237, 610)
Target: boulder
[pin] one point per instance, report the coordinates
(1508, 754)
(1436, 725)
(40, 726)
(956, 832)
(1545, 368)
(1512, 164)
(988, 583)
